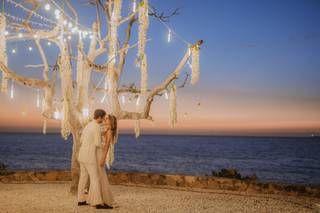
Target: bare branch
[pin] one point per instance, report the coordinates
(31, 82)
(163, 17)
(34, 66)
(123, 55)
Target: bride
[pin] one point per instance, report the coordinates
(105, 156)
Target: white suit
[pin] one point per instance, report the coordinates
(89, 165)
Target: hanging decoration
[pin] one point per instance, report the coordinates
(138, 101)
(173, 105)
(85, 112)
(3, 52)
(12, 90)
(123, 99)
(169, 36)
(44, 127)
(137, 128)
(142, 37)
(195, 65)
(38, 98)
(57, 115)
(166, 95)
(134, 6)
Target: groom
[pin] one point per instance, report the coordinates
(91, 140)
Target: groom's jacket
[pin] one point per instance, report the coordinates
(90, 140)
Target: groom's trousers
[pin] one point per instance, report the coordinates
(89, 171)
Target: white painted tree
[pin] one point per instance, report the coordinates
(75, 103)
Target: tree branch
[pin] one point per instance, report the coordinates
(31, 82)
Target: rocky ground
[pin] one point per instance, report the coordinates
(54, 197)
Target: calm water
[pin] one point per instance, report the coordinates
(289, 160)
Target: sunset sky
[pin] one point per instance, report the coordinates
(260, 68)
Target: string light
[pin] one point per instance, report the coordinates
(169, 36)
(43, 25)
(30, 11)
(12, 90)
(38, 98)
(47, 7)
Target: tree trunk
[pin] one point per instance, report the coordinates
(75, 166)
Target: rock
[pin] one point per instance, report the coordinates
(3, 166)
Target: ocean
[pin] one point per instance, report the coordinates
(272, 159)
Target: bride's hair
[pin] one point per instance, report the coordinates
(113, 125)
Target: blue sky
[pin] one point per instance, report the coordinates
(260, 62)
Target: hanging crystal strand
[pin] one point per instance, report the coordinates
(137, 128)
(12, 90)
(142, 37)
(173, 105)
(195, 72)
(80, 70)
(144, 75)
(44, 127)
(3, 53)
(134, 6)
(169, 36)
(38, 98)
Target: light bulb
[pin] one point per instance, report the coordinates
(30, 48)
(57, 12)
(47, 7)
(49, 43)
(13, 50)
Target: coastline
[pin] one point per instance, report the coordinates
(185, 182)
